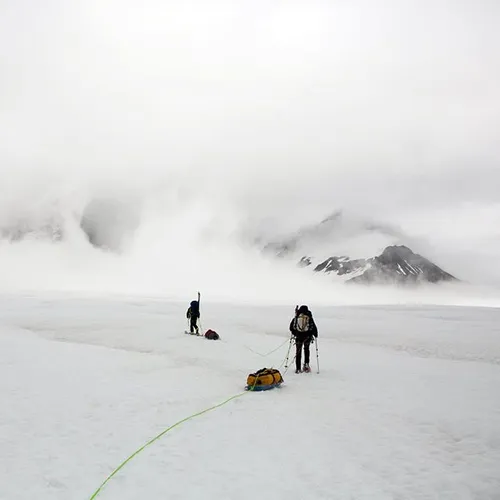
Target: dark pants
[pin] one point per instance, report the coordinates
(192, 324)
(299, 343)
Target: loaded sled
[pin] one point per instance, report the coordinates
(264, 380)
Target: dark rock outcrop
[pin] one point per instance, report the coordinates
(341, 265)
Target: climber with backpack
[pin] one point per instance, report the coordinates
(304, 330)
(193, 314)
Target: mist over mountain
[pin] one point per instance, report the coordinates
(358, 250)
(159, 148)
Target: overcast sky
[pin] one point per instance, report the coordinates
(283, 108)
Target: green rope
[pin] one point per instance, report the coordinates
(270, 352)
(151, 441)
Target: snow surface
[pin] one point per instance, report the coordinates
(406, 405)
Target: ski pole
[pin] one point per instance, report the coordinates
(317, 354)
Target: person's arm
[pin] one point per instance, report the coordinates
(314, 328)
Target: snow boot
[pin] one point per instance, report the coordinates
(306, 368)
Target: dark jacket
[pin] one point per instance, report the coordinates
(193, 310)
(313, 329)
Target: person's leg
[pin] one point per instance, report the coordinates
(192, 325)
(298, 353)
(307, 352)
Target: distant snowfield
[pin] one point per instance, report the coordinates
(406, 405)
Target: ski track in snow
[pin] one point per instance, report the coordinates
(406, 405)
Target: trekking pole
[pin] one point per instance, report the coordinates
(317, 354)
(288, 352)
(286, 368)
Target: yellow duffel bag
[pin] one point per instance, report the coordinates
(264, 379)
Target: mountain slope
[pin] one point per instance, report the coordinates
(399, 264)
(396, 264)
(327, 247)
